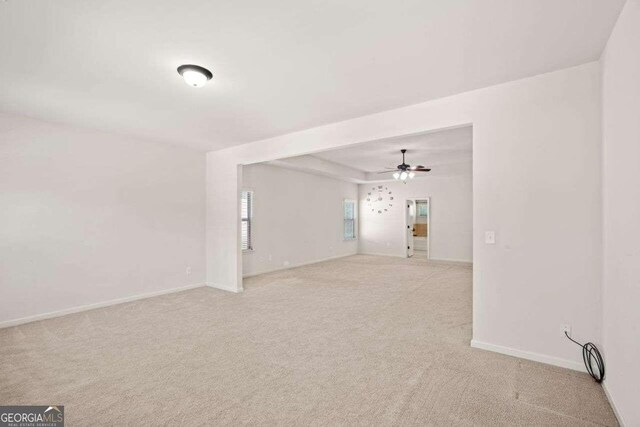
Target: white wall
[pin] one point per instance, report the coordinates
(536, 183)
(87, 217)
(621, 135)
(451, 218)
(298, 218)
(222, 235)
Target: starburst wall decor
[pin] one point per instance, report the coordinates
(379, 199)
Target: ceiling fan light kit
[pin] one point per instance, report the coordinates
(404, 171)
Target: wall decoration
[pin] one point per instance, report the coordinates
(379, 199)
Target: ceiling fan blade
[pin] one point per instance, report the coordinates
(404, 167)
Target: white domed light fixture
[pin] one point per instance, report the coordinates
(194, 75)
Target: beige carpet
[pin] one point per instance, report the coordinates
(357, 341)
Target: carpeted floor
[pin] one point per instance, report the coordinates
(358, 341)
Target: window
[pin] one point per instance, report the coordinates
(246, 216)
(423, 208)
(349, 219)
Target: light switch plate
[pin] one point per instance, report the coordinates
(490, 237)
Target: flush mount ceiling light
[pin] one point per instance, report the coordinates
(194, 75)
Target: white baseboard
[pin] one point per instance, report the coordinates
(613, 404)
(77, 309)
(224, 288)
(536, 357)
(302, 264)
(549, 360)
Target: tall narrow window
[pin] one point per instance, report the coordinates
(349, 219)
(246, 216)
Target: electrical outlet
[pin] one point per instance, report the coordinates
(567, 329)
(188, 271)
(490, 237)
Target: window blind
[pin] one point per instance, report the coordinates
(246, 214)
(349, 219)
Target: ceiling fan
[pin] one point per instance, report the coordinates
(404, 171)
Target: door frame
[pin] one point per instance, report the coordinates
(413, 199)
(407, 246)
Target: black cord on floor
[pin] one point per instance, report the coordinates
(592, 358)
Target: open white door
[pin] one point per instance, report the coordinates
(410, 215)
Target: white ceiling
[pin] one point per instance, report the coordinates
(447, 153)
(278, 66)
